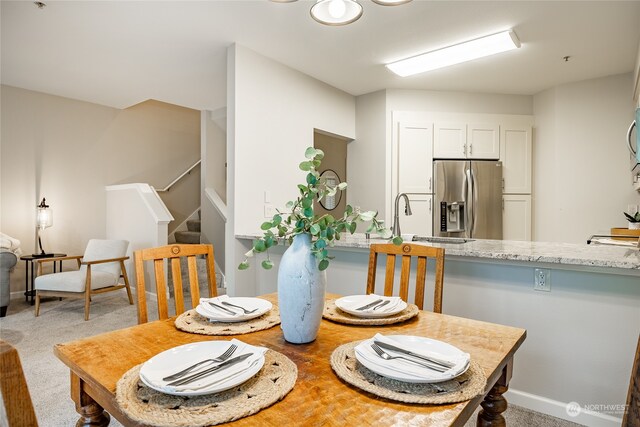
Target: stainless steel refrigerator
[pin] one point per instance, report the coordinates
(467, 198)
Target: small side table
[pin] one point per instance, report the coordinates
(29, 279)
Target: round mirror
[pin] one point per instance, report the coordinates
(332, 180)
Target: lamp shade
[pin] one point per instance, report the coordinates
(44, 215)
(336, 12)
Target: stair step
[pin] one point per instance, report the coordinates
(189, 237)
(193, 225)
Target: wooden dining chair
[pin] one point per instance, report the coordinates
(408, 251)
(173, 254)
(18, 407)
(632, 415)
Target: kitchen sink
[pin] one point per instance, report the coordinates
(451, 240)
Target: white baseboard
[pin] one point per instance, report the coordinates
(559, 409)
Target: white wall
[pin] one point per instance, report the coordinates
(68, 151)
(275, 111)
(581, 179)
(366, 156)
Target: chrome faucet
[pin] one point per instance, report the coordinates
(407, 211)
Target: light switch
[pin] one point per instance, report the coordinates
(267, 196)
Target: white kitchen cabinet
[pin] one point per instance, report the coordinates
(483, 141)
(421, 221)
(414, 154)
(450, 141)
(515, 154)
(516, 217)
(466, 141)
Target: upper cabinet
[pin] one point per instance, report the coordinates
(466, 141)
(414, 148)
(515, 153)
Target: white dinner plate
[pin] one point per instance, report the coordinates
(175, 359)
(217, 315)
(398, 369)
(349, 303)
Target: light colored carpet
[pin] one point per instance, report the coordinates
(62, 321)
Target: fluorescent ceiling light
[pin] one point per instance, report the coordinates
(466, 51)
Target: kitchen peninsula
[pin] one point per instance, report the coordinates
(581, 334)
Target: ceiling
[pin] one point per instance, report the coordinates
(119, 53)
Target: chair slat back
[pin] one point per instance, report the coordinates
(407, 251)
(16, 399)
(632, 415)
(173, 254)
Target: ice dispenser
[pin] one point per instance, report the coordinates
(452, 217)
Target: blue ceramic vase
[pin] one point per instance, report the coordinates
(301, 289)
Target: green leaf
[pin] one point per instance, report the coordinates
(268, 241)
(266, 225)
(314, 229)
(307, 202)
(352, 227)
(323, 264)
(305, 166)
(308, 212)
(342, 186)
(303, 189)
(348, 210)
(267, 264)
(277, 219)
(330, 219)
(311, 152)
(243, 265)
(311, 179)
(319, 154)
(385, 233)
(397, 240)
(316, 163)
(321, 244)
(367, 216)
(259, 246)
(289, 204)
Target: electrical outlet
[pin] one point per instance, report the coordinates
(542, 279)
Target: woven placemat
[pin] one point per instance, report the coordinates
(191, 321)
(462, 388)
(333, 313)
(147, 406)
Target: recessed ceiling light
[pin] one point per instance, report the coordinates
(336, 12)
(390, 2)
(466, 51)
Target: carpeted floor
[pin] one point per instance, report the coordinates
(62, 321)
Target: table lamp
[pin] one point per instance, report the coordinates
(44, 219)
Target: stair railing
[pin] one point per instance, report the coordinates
(182, 175)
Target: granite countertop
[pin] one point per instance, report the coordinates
(543, 252)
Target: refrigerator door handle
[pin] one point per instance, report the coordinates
(468, 208)
(474, 201)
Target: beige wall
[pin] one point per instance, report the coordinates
(68, 151)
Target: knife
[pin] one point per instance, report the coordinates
(364, 307)
(443, 363)
(210, 371)
(233, 313)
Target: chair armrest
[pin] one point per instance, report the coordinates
(43, 260)
(102, 261)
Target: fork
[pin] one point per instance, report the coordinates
(381, 305)
(386, 356)
(241, 308)
(224, 356)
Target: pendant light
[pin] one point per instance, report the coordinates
(336, 12)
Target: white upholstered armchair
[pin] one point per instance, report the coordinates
(99, 270)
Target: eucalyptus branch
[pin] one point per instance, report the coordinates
(324, 229)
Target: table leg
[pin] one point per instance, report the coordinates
(494, 403)
(32, 292)
(26, 280)
(91, 413)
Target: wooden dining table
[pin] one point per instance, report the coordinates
(319, 397)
